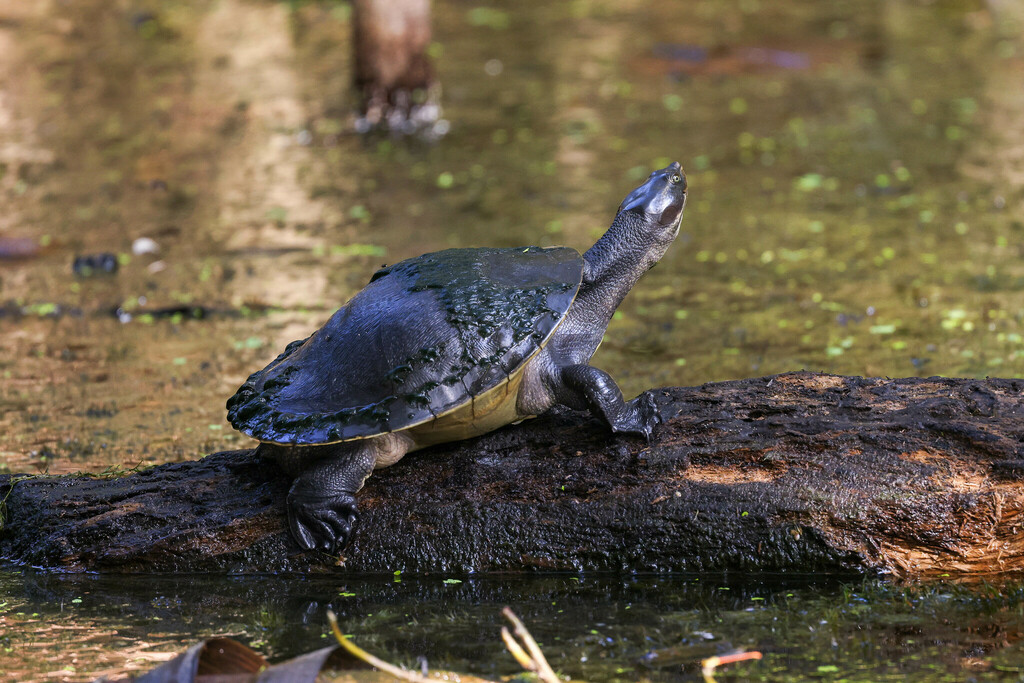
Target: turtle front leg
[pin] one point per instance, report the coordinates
(322, 503)
(583, 387)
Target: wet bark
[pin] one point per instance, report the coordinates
(393, 72)
(801, 472)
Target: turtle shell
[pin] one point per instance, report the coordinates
(423, 338)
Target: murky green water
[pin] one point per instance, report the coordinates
(593, 628)
(855, 206)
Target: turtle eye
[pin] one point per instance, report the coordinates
(676, 178)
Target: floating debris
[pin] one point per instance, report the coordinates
(175, 313)
(19, 247)
(782, 59)
(87, 265)
(227, 659)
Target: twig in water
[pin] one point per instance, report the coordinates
(708, 665)
(364, 656)
(534, 661)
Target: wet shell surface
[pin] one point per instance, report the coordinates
(423, 338)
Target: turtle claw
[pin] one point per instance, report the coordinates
(322, 523)
(647, 415)
(643, 417)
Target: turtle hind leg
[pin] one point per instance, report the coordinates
(321, 502)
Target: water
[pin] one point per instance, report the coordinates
(593, 628)
(855, 204)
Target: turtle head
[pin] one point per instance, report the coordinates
(660, 199)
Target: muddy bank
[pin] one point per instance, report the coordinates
(801, 471)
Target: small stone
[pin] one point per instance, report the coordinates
(145, 245)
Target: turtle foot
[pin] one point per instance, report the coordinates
(321, 523)
(641, 417)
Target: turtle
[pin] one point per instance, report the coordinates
(447, 346)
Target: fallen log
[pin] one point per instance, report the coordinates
(797, 472)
